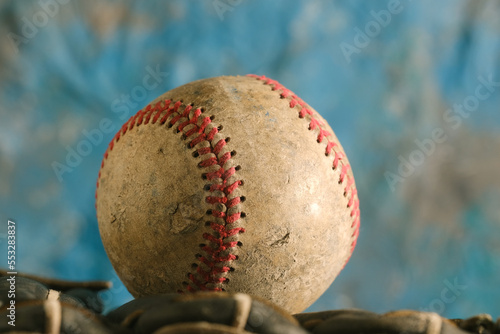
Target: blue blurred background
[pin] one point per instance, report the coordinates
(411, 88)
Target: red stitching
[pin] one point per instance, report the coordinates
(314, 123)
(148, 111)
(217, 258)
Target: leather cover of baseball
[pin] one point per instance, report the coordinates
(228, 184)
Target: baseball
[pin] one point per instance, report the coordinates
(228, 184)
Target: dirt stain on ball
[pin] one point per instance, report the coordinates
(185, 216)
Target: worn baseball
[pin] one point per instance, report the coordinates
(228, 184)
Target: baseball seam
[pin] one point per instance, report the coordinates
(218, 248)
(350, 191)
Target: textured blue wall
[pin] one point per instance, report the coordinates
(402, 83)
